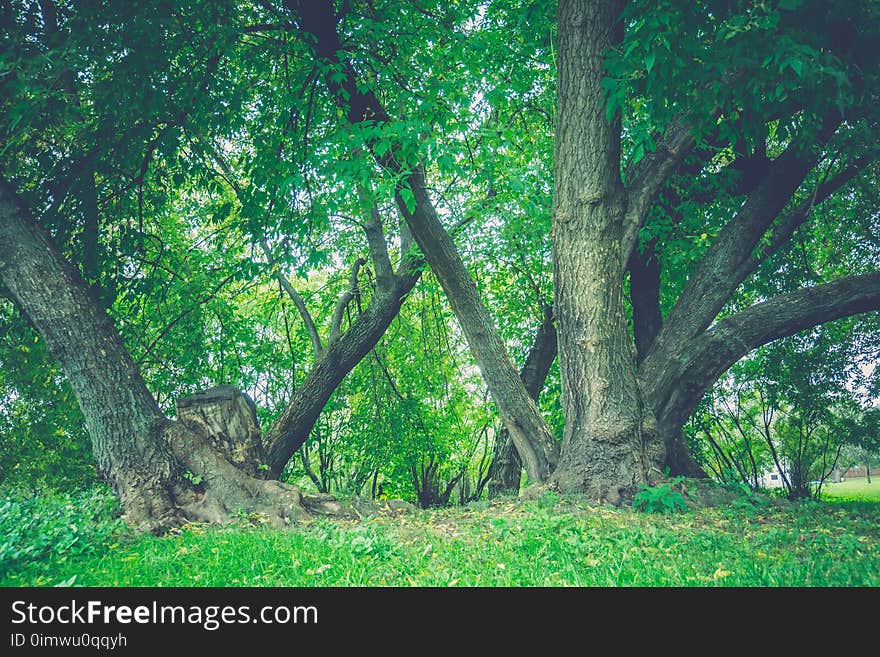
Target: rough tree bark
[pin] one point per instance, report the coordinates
(228, 417)
(317, 19)
(506, 468)
(164, 472)
(610, 443)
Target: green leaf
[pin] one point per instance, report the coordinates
(650, 58)
(222, 212)
(445, 162)
(409, 199)
(381, 147)
(638, 153)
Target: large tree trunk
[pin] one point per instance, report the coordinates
(610, 443)
(164, 472)
(124, 422)
(506, 468)
(519, 413)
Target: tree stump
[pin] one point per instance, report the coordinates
(228, 417)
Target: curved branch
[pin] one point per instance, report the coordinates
(298, 301)
(719, 347)
(645, 180)
(723, 267)
(344, 299)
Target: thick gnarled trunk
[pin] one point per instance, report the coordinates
(163, 472)
(610, 444)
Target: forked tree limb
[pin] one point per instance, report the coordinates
(345, 298)
(318, 22)
(297, 299)
(723, 344)
(720, 271)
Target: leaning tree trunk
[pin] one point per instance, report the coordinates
(293, 426)
(124, 422)
(519, 413)
(506, 468)
(693, 369)
(164, 472)
(610, 443)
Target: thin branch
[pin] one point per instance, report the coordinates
(297, 299)
(646, 179)
(388, 376)
(267, 27)
(344, 299)
(376, 241)
(186, 312)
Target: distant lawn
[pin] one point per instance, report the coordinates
(72, 539)
(853, 489)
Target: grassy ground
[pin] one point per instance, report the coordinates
(853, 489)
(510, 543)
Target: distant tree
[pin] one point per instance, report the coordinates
(864, 439)
(789, 407)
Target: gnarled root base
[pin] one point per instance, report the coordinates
(208, 488)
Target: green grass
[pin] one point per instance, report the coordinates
(509, 543)
(853, 489)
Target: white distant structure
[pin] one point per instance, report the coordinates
(771, 478)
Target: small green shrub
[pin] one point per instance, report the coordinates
(660, 499)
(367, 545)
(55, 526)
